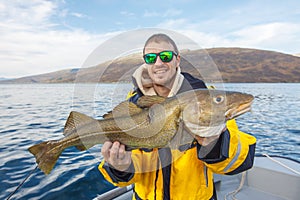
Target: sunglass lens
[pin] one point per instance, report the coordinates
(150, 58)
(166, 56)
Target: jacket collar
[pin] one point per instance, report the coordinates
(142, 80)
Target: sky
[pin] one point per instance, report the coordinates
(40, 36)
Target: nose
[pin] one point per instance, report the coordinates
(158, 61)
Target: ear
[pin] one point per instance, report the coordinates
(178, 60)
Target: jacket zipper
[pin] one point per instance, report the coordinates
(205, 175)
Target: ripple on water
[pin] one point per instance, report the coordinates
(35, 113)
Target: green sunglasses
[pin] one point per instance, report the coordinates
(165, 56)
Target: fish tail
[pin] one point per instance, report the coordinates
(46, 155)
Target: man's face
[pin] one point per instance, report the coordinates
(162, 73)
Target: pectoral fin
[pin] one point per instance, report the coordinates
(182, 137)
(148, 101)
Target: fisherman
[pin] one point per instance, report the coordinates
(161, 173)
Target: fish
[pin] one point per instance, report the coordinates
(153, 122)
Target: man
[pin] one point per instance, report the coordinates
(161, 173)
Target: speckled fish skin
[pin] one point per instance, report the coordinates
(152, 123)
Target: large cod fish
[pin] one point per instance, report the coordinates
(152, 123)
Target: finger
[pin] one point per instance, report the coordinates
(105, 150)
(124, 155)
(114, 151)
(127, 157)
(122, 152)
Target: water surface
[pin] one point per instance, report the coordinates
(31, 113)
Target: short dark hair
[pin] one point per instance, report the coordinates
(161, 37)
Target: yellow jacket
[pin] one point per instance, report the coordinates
(190, 176)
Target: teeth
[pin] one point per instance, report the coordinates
(160, 71)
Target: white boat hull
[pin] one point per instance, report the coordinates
(273, 178)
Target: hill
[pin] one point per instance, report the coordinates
(250, 65)
(234, 64)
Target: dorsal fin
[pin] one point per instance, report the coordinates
(79, 124)
(76, 120)
(148, 101)
(124, 109)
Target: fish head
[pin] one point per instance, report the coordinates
(205, 112)
(237, 104)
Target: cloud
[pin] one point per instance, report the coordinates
(127, 13)
(172, 12)
(277, 36)
(168, 13)
(175, 23)
(79, 15)
(148, 13)
(35, 37)
(43, 51)
(31, 43)
(274, 36)
(26, 12)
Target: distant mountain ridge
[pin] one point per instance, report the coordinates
(2, 78)
(235, 65)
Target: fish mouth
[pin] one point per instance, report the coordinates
(237, 111)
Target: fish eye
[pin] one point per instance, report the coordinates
(219, 99)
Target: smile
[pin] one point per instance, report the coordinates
(160, 71)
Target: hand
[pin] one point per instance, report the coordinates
(116, 156)
(205, 141)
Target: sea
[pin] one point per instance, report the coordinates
(32, 113)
